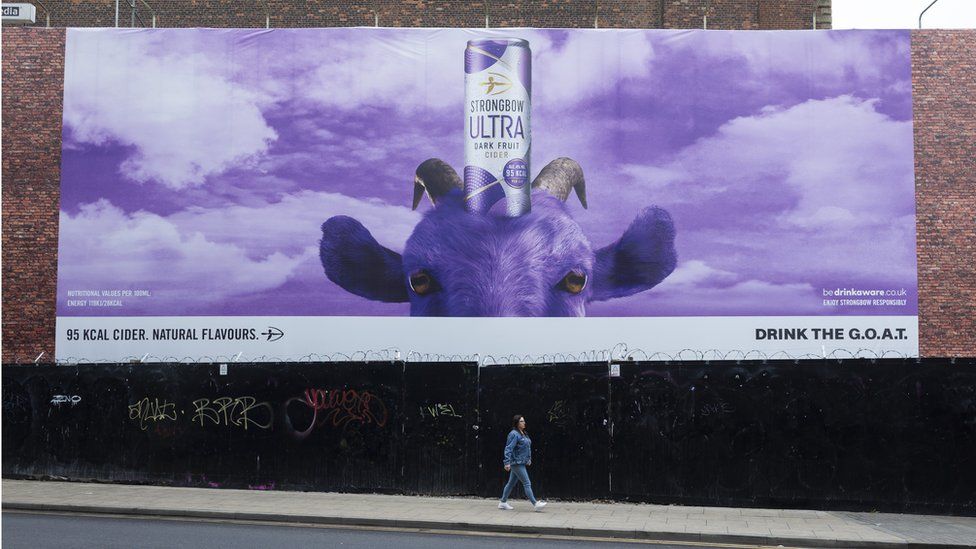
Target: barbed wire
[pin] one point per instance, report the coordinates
(367, 355)
(491, 360)
(685, 355)
(619, 353)
(415, 356)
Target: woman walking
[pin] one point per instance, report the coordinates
(518, 456)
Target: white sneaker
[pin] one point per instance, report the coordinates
(539, 505)
(505, 506)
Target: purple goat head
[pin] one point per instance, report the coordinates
(458, 263)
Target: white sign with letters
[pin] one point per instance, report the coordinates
(18, 13)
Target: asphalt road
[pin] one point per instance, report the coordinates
(42, 531)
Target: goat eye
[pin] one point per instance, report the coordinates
(574, 282)
(421, 282)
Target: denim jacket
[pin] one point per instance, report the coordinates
(518, 449)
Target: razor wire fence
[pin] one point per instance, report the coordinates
(618, 353)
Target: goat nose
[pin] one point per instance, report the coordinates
(506, 305)
(487, 308)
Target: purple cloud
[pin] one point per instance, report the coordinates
(181, 113)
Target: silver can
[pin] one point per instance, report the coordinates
(497, 136)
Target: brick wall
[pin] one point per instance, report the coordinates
(944, 88)
(790, 14)
(675, 14)
(824, 14)
(33, 81)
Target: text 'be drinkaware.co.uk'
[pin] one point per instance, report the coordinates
(865, 297)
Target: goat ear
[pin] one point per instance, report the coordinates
(354, 260)
(640, 260)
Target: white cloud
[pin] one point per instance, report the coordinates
(181, 112)
(820, 190)
(724, 292)
(210, 254)
(293, 223)
(146, 250)
(651, 176)
(747, 297)
(416, 69)
(588, 64)
(849, 165)
(756, 295)
(832, 56)
(192, 103)
(698, 273)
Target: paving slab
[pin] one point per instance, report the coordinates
(797, 528)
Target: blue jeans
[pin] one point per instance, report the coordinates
(518, 474)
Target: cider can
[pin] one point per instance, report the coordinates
(497, 134)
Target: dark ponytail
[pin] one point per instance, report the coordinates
(515, 421)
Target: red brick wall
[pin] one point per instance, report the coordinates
(677, 14)
(824, 14)
(944, 88)
(33, 82)
(790, 14)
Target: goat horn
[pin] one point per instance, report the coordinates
(559, 176)
(437, 178)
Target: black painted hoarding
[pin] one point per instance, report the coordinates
(896, 435)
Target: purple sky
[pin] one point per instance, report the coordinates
(199, 163)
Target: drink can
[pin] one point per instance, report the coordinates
(497, 136)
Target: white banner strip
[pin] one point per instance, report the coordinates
(205, 339)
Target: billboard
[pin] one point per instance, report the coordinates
(296, 193)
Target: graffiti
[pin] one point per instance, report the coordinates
(557, 413)
(191, 480)
(148, 411)
(340, 407)
(347, 405)
(717, 409)
(164, 430)
(439, 410)
(14, 403)
(58, 400)
(17, 415)
(834, 423)
(445, 441)
(236, 412)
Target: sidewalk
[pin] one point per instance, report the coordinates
(618, 520)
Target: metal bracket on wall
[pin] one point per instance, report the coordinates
(135, 14)
(47, 19)
(923, 12)
(152, 11)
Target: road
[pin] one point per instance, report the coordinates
(42, 531)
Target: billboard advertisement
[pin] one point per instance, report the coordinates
(289, 194)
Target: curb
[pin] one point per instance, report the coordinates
(476, 527)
